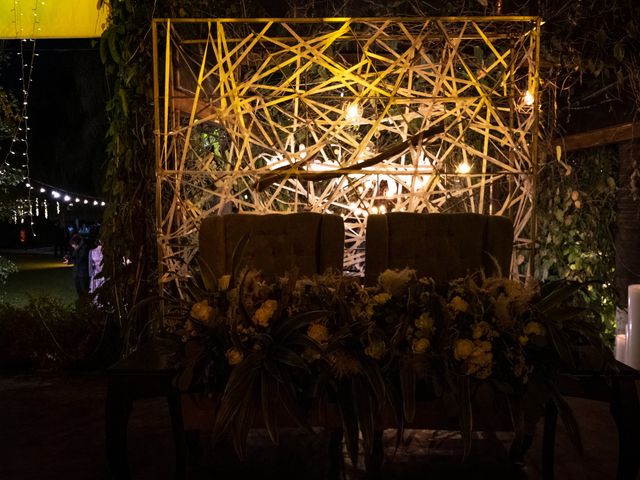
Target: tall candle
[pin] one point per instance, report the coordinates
(622, 316)
(633, 338)
(621, 347)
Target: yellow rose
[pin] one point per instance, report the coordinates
(462, 348)
(381, 298)
(534, 328)
(375, 349)
(318, 332)
(459, 304)
(424, 322)
(264, 313)
(484, 346)
(523, 339)
(234, 356)
(480, 329)
(223, 282)
(420, 345)
(201, 311)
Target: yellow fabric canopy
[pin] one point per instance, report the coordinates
(51, 19)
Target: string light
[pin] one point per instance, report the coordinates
(463, 168)
(353, 113)
(40, 206)
(528, 98)
(19, 145)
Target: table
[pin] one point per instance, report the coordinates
(143, 374)
(147, 374)
(621, 390)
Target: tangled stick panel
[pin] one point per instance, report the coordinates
(345, 116)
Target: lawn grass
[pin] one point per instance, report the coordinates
(38, 275)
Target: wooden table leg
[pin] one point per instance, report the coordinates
(117, 411)
(625, 409)
(179, 441)
(374, 460)
(336, 458)
(549, 441)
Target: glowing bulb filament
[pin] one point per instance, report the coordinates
(528, 98)
(463, 168)
(353, 113)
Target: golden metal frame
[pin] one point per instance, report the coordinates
(343, 115)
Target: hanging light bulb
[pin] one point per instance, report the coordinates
(353, 113)
(528, 98)
(463, 168)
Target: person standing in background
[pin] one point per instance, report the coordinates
(95, 267)
(80, 259)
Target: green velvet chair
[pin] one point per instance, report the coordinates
(444, 247)
(310, 242)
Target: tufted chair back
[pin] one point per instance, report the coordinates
(312, 242)
(443, 246)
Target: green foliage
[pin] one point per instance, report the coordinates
(9, 176)
(127, 230)
(592, 37)
(271, 351)
(49, 333)
(7, 267)
(576, 215)
(8, 115)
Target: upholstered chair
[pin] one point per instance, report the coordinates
(309, 242)
(443, 246)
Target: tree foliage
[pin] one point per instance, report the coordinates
(577, 221)
(9, 176)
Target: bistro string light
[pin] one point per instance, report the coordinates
(44, 197)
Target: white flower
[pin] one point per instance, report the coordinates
(396, 282)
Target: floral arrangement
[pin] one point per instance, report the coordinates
(270, 348)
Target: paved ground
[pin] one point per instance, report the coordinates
(51, 428)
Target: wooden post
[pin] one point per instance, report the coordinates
(627, 239)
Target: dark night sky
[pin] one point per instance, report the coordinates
(66, 112)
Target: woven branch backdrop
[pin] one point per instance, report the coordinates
(347, 116)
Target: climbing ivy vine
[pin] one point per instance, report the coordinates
(576, 222)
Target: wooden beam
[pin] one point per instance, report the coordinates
(598, 137)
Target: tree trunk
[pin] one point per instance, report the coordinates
(627, 241)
